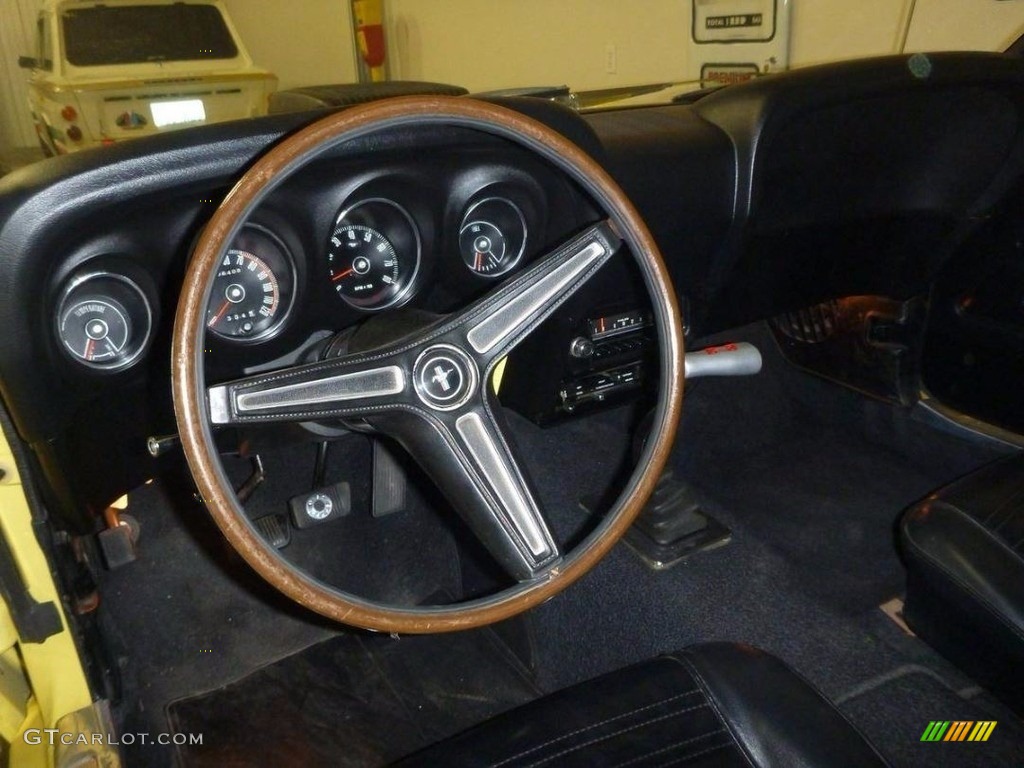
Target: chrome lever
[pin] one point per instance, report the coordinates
(736, 359)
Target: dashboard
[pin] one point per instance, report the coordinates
(341, 241)
(848, 179)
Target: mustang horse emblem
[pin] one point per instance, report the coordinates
(440, 377)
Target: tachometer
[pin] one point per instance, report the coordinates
(373, 254)
(245, 299)
(253, 288)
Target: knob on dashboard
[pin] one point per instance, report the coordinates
(581, 347)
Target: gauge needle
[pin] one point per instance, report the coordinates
(479, 261)
(89, 348)
(220, 313)
(340, 275)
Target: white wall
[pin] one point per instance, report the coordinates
(978, 25)
(828, 31)
(303, 42)
(17, 24)
(483, 44)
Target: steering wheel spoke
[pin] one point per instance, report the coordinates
(494, 325)
(331, 389)
(469, 458)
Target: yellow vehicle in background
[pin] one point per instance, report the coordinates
(107, 71)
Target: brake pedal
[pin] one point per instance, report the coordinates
(321, 506)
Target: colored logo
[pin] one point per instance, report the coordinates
(958, 730)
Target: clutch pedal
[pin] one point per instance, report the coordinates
(274, 529)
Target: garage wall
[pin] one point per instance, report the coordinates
(828, 30)
(487, 44)
(17, 21)
(824, 30)
(506, 43)
(484, 44)
(974, 26)
(303, 42)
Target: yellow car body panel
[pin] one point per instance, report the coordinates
(41, 683)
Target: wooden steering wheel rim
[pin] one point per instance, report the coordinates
(189, 391)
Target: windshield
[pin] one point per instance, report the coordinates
(131, 34)
(214, 60)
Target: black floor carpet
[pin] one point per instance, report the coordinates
(811, 479)
(190, 615)
(898, 707)
(354, 701)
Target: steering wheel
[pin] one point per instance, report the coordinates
(429, 389)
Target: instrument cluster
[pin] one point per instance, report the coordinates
(377, 252)
(319, 260)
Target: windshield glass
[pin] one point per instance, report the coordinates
(204, 61)
(103, 35)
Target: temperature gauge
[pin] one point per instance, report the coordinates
(95, 330)
(104, 321)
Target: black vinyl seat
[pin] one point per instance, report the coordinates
(718, 704)
(963, 547)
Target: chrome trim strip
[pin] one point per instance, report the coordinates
(937, 414)
(509, 317)
(217, 399)
(377, 382)
(521, 512)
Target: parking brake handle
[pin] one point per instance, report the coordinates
(736, 359)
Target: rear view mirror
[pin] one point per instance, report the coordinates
(27, 62)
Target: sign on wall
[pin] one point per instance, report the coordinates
(734, 40)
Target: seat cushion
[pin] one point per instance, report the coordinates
(964, 551)
(717, 704)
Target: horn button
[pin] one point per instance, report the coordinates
(445, 377)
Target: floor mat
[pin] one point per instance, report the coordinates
(821, 476)
(354, 701)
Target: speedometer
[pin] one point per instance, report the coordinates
(364, 267)
(373, 254)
